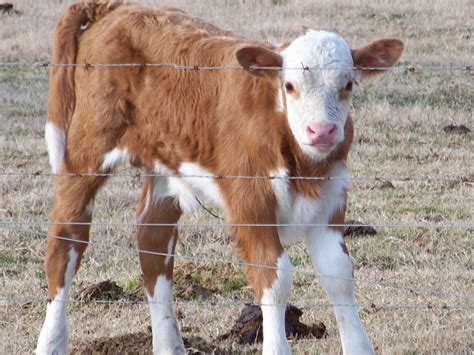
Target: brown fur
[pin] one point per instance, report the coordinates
(226, 121)
(61, 95)
(73, 195)
(156, 239)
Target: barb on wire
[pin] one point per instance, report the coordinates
(7, 223)
(263, 266)
(398, 69)
(138, 174)
(124, 302)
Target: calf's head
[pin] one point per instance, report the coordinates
(319, 73)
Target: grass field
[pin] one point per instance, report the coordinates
(399, 121)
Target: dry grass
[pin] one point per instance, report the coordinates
(399, 120)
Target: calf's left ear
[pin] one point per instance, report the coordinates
(382, 53)
(251, 58)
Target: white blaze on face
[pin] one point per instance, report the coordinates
(316, 97)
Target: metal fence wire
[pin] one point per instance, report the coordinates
(8, 300)
(397, 69)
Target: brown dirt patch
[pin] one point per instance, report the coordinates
(6, 8)
(248, 328)
(105, 290)
(139, 343)
(461, 129)
(383, 185)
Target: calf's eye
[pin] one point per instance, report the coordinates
(289, 87)
(349, 86)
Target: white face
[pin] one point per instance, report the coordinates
(318, 101)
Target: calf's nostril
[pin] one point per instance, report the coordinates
(322, 130)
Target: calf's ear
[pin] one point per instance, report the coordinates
(252, 58)
(382, 53)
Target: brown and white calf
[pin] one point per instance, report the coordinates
(250, 122)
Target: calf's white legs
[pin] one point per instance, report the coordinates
(54, 335)
(330, 257)
(166, 335)
(273, 304)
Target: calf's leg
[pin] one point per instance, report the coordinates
(73, 204)
(330, 257)
(155, 208)
(272, 282)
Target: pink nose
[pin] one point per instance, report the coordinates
(322, 134)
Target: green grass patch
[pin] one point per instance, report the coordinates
(232, 284)
(300, 260)
(132, 284)
(41, 276)
(446, 212)
(8, 260)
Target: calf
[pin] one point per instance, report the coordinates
(280, 123)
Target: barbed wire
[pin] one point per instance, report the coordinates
(124, 302)
(262, 266)
(138, 174)
(398, 69)
(7, 223)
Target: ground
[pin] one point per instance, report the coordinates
(399, 120)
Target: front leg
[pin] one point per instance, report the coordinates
(272, 282)
(269, 269)
(330, 257)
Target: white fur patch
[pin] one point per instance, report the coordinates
(161, 187)
(114, 157)
(53, 338)
(186, 190)
(170, 250)
(273, 304)
(90, 208)
(281, 187)
(56, 143)
(184, 193)
(162, 169)
(280, 101)
(166, 334)
(296, 209)
(188, 187)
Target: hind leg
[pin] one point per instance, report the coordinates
(157, 270)
(74, 203)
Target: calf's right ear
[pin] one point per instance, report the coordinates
(379, 54)
(252, 58)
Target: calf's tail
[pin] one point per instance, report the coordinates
(62, 97)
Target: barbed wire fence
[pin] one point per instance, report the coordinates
(240, 264)
(397, 69)
(453, 305)
(138, 174)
